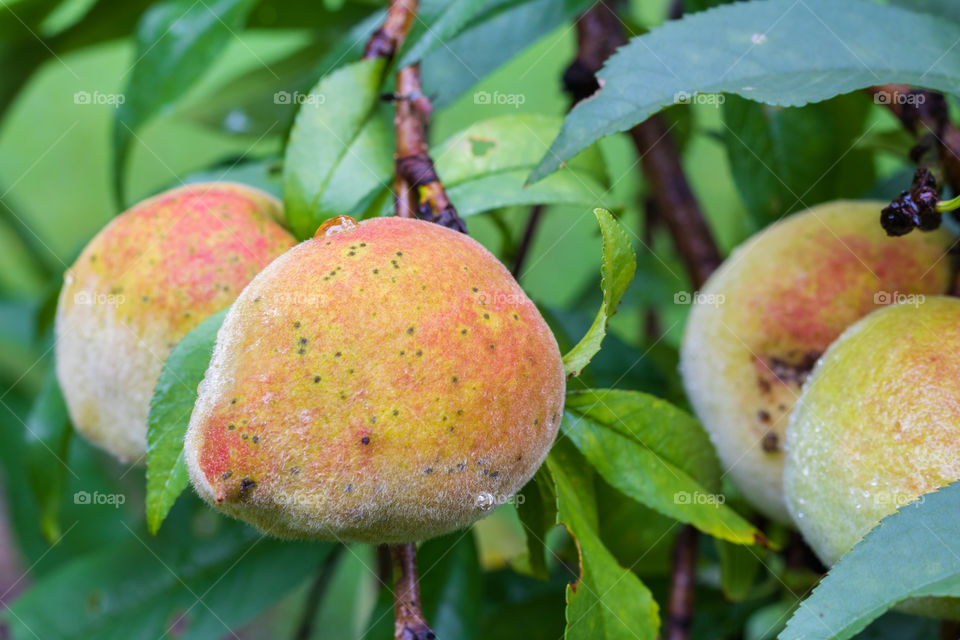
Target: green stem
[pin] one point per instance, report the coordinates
(948, 205)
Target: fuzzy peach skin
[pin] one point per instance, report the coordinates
(383, 382)
(773, 308)
(151, 275)
(877, 426)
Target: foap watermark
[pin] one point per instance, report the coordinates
(90, 298)
(487, 501)
(894, 499)
(98, 97)
(684, 97)
(298, 97)
(912, 98)
(498, 98)
(699, 497)
(895, 297)
(499, 297)
(97, 498)
(696, 297)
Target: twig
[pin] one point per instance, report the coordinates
(408, 615)
(925, 115)
(682, 584)
(599, 34)
(317, 591)
(675, 199)
(414, 165)
(536, 212)
(386, 41)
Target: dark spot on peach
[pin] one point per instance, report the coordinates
(494, 474)
(519, 457)
(403, 353)
(770, 442)
(396, 412)
(763, 416)
(516, 317)
(463, 332)
(255, 439)
(303, 341)
(410, 330)
(373, 419)
(296, 324)
(231, 427)
(233, 401)
(301, 351)
(486, 316)
(365, 440)
(244, 436)
(351, 253)
(459, 412)
(316, 379)
(258, 299)
(419, 352)
(246, 486)
(453, 379)
(337, 354)
(474, 289)
(376, 271)
(363, 244)
(428, 471)
(451, 429)
(348, 488)
(461, 466)
(226, 474)
(349, 370)
(294, 470)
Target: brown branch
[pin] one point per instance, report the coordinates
(599, 33)
(387, 40)
(536, 213)
(408, 615)
(682, 584)
(675, 199)
(925, 115)
(414, 165)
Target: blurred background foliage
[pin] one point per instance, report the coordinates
(205, 577)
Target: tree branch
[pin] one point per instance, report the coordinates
(387, 40)
(925, 115)
(414, 164)
(408, 615)
(536, 213)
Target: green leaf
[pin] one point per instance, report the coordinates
(538, 514)
(788, 158)
(47, 439)
(656, 454)
(944, 8)
(617, 266)
(778, 52)
(483, 166)
(437, 21)
(739, 567)
(177, 41)
(919, 545)
(491, 39)
(340, 149)
(194, 587)
(450, 584)
(170, 409)
(607, 602)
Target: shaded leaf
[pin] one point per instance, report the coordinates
(919, 545)
(538, 514)
(607, 602)
(177, 41)
(777, 52)
(47, 438)
(437, 22)
(170, 409)
(617, 266)
(783, 159)
(450, 584)
(195, 587)
(656, 454)
(739, 567)
(340, 149)
(500, 32)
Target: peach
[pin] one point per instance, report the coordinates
(877, 424)
(384, 382)
(145, 280)
(773, 308)
(876, 427)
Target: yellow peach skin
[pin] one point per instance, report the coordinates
(876, 427)
(151, 275)
(386, 381)
(773, 308)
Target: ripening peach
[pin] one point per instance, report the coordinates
(151, 275)
(773, 308)
(877, 426)
(386, 381)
